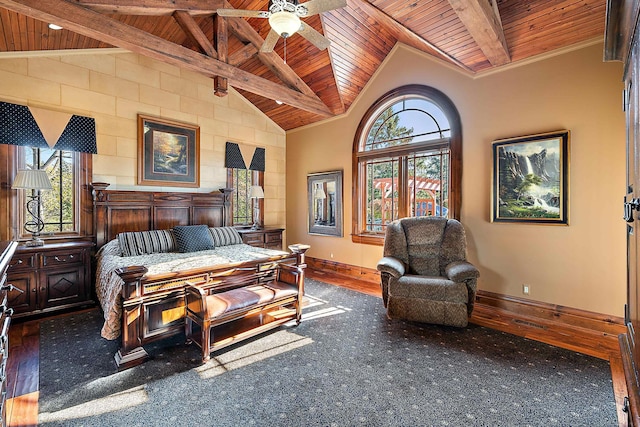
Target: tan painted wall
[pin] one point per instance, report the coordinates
(113, 88)
(582, 265)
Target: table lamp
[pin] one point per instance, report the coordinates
(256, 193)
(34, 180)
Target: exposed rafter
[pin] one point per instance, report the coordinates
(482, 20)
(270, 59)
(152, 7)
(221, 35)
(194, 32)
(95, 25)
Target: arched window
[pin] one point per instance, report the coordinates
(407, 161)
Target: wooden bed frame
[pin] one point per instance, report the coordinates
(153, 307)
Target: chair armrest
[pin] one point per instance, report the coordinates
(391, 265)
(459, 271)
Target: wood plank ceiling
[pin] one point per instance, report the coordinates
(475, 35)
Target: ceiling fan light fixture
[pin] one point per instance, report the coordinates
(284, 23)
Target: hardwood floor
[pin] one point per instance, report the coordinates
(24, 354)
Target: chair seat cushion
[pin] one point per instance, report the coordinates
(429, 288)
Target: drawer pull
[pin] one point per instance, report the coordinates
(62, 259)
(18, 262)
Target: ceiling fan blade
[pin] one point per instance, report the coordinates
(270, 42)
(320, 41)
(243, 13)
(318, 6)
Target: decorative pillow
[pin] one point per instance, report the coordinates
(224, 236)
(134, 243)
(192, 238)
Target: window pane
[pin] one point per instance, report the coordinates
(387, 131)
(428, 184)
(381, 193)
(408, 121)
(432, 110)
(242, 212)
(57, 208)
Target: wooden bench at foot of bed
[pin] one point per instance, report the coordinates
(224, 318)
(154, 308)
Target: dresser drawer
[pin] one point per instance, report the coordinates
(21, 262)
(271, 238)
(253, 238)
(66, 258)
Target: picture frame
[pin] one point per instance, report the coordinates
(168, 152)
(324, 192)
(531, 179)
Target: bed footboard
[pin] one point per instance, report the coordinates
(154, 308)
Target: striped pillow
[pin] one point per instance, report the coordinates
(135, 243)
(224, 236)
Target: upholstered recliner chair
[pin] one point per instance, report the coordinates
(424, 273)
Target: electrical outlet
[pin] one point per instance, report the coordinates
(331, 255)
(525, 289)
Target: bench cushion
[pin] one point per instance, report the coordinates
(241, 298)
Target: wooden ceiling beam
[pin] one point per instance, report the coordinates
(99, 27)
(270, 59)
(220, 84)
(482, 20)
(194, 32)
(242, 55)
(152, 7)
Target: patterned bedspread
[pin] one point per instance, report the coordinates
(109, 284)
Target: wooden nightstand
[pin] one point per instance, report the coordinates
(52, 277)
(270, 238)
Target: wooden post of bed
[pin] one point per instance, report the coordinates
(131, 352)
(299, 251)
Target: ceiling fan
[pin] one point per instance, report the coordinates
(284, 19)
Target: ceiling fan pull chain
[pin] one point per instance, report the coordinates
(285, 50)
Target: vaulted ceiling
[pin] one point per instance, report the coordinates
(313, 84)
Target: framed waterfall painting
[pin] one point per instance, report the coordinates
(531, 179)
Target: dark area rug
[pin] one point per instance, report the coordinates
(346, 364)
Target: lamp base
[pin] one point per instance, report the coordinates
(34, 242)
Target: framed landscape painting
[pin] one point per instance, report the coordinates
(531, 179)
(168, 152)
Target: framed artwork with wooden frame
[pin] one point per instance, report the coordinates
(168, 152)
(531, 179)
(325, 203)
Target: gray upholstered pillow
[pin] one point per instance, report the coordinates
(224, 236)
(135, 243)
(192, 238)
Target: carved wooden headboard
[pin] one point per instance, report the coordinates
(117, 211)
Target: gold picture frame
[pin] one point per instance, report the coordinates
(168, 152)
